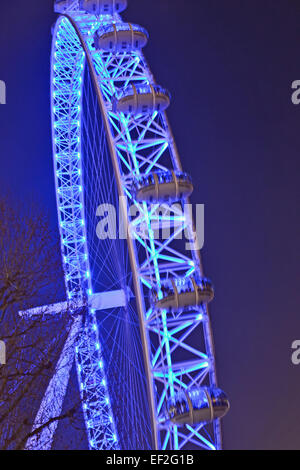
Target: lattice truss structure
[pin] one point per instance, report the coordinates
(179, 347)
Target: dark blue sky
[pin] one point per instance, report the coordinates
(229, 66)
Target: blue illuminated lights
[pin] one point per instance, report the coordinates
(177, 345)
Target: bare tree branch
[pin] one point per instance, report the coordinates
(30, 275)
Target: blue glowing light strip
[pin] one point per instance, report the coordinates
(68, 62)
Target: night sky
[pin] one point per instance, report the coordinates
(229, 66)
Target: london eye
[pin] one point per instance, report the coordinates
(143, 349)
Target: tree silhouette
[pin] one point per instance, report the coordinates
(30, 275)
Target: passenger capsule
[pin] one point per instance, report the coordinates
(182, 293)
(163, 186)
(102, 7)
(197, 405)
(142, 99)
(120, 37)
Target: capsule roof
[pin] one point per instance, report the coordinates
(164, 176)
(166, 186)
(179, 294)
(143, 99)
(110, 28)
(103, 7)
(142, 89)
(120, 37)
(183, 284)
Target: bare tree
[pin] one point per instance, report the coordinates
(30, 275)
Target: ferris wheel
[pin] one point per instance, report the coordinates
(143, 349)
